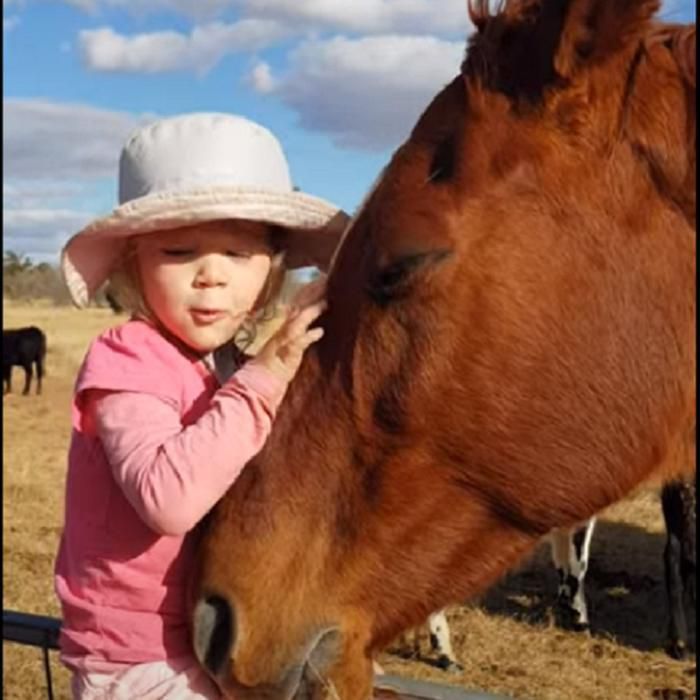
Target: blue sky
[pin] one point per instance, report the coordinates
(340, 82)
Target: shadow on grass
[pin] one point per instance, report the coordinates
(625, 589)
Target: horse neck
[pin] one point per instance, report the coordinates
(306, 455)
(318, 468)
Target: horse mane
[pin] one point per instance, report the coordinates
(528, 49)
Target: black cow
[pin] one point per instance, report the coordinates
(678, 501)
(113, 301)
(23, 347)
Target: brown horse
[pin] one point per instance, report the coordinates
(509, 348)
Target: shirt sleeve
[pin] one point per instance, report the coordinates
(173, 475)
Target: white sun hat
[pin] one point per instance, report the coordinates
(194, 168)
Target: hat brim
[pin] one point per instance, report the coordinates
(90, 255)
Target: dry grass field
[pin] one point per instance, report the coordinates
(508, 641)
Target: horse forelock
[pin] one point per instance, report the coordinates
(522, 47)
(517, 25)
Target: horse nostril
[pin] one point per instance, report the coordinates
(214, 632)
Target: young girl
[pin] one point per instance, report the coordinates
(167, 411)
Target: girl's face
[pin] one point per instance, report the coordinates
(200, 281)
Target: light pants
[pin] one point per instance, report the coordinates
(176, 679)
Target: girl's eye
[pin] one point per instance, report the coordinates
(177, 252)
(237, 254)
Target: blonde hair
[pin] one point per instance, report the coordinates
(124, 284)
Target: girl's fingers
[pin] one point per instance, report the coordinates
(310, 293)
(298, 324)
(311, 337)
(300, 337)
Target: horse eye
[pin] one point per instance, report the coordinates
(395, 280)
(387, 281)
(177, 252)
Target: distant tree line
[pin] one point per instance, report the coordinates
(25, 280)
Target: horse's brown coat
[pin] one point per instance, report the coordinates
(510, 347)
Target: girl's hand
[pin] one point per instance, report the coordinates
(282, 353)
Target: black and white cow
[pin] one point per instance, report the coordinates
(570, 549)
(23, 347)
(440, 643)
(570, 553)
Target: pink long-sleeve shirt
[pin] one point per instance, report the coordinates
(156, 442)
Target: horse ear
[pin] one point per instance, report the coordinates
(665, 136)
(684, 47)
(596, 29)
(478, 11)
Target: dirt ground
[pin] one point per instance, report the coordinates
(508, 641)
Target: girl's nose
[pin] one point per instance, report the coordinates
(211, 271)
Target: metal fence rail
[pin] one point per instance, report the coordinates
(42, 631)
(36, 631)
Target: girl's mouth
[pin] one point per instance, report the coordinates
(207, 315)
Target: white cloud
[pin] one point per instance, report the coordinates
(198, 9)
(40, 233)
(58, 158)
(375, 16)
(61, 140)
(27, 218)
(369, 16)
(366, 16)
(105, 50)
(34, 194)
(261, 78)
(367, 93)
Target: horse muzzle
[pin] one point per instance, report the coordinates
(214, 640)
